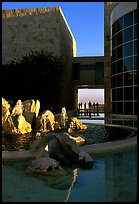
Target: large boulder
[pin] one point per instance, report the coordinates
(21, 124)
(75, 124)
(8, 127)
(45, 122)
(31, 110)
(5, 110)
(18, 108)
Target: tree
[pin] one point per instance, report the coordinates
(38, 75)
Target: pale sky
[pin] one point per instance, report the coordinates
(93, 95)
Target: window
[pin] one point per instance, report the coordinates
(119, 94)
(128, 64)
(128, 49)
(119, 52)
(114, 41)
(120, 24)
(119, 108)
(135, 108)
(128, 108)
(119, 80)
(135, 77)
(135, 92)
(119, 66)
(114, 28)
(128, 78)
(135, 16)
(128, 93)
(113, 81)
(128, 19)
(113, 69)
(135, 31)
(120, 38)
(135, 47)
(114, 94)
(128, 34)
(114, 107)
(135, 62)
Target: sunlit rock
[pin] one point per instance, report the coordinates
(31, 110)
(45, 122)
(9, 127)
(64, 117)
(18, 108)
(21, 124)
(5, 110)
(75, 124)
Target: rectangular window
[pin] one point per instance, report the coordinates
(128, 78)
(135, 62)
(135, 77)
(114, 107)
(114, 28)
(135, 92)
(128, 49)
(119, 66)
(113, 68)
(135, 31)
(128, 64)
(135, 16)
(128, 108)
(135, 108)
(128, 93)
(119, 94)
(135, 47)
(114, 93)
(119, 80)
(119, 108)
(120, 52)
(114, 81)
(128, 19)
(128, 34)
(120, 38)
(120, 24)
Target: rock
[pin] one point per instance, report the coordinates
(75, 124)
(45, 122)
(69, 146)
(18, 109)
(5, 110)
(21, 124)
(31, 110)
(78, 139)
(45, 165)
(64, 117)
(85, 160)
(8, 127)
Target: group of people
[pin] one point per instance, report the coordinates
(94, 106)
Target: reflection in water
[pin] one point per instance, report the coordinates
(74, 179)
(113, 178)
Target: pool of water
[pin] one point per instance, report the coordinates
(113, 178)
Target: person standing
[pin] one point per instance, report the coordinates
(97, 105)
(94, 107)
(89, 105)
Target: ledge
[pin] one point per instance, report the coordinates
(93, 149)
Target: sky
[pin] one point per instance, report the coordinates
(93, 95)
(86, 21)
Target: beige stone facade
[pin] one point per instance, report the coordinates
(25, 30)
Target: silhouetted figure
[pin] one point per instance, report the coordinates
(94, 107)
(81, 105)
(89, 104)
(85, 109)
(97, 105)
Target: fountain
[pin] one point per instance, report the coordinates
(55, 147)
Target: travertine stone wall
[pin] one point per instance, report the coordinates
(38, 29)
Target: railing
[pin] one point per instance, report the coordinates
(89, 112)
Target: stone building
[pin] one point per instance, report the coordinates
(25, 30)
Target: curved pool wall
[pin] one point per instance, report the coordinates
(93, 149)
